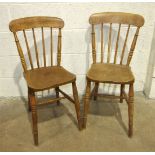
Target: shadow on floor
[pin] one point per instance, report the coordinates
(51, 111)
(107, 108)
(101, 107)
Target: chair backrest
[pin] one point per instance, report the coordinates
(120, 19)
(31, 24)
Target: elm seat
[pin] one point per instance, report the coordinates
(48, 77)
(110, 73)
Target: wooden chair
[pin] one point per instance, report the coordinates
(43, 77)
(113, 72)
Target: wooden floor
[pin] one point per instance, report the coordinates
(106, 128)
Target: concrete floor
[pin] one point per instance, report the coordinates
(106, 128)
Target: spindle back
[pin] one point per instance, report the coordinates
(119, 19)
(31, 24)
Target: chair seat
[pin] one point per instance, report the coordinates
(48, 77)
(110, 73)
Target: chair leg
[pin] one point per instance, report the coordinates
(121, 92)
(57, 94)
(86, 103)
(131, 109)
(29, 104)
(77, 103)
(96, 90)
(34, 116)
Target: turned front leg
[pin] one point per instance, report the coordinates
(131, 109)
(86, 102)
(34, 117)
(77, 103)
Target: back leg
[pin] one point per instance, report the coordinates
(96, 90)
(121, 92)
(29, 104)
(57, 94)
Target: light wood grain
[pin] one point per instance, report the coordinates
(110, 73)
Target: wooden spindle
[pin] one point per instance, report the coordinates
(43, 44)
(126, 38)
(51, 48)
(133, 45)
(36, 50)
(59, 48)
(28, 49)
(109, 43)
(20, 51)
(102, 56)
(93, 45)
(116, 49)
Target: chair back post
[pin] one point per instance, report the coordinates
(133, 45)
(20, 52)
(93, 44)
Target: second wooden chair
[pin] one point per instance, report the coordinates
(111, 69)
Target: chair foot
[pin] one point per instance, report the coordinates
(80, 124)
(36, 139)
(84, 123)
(130, 133)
